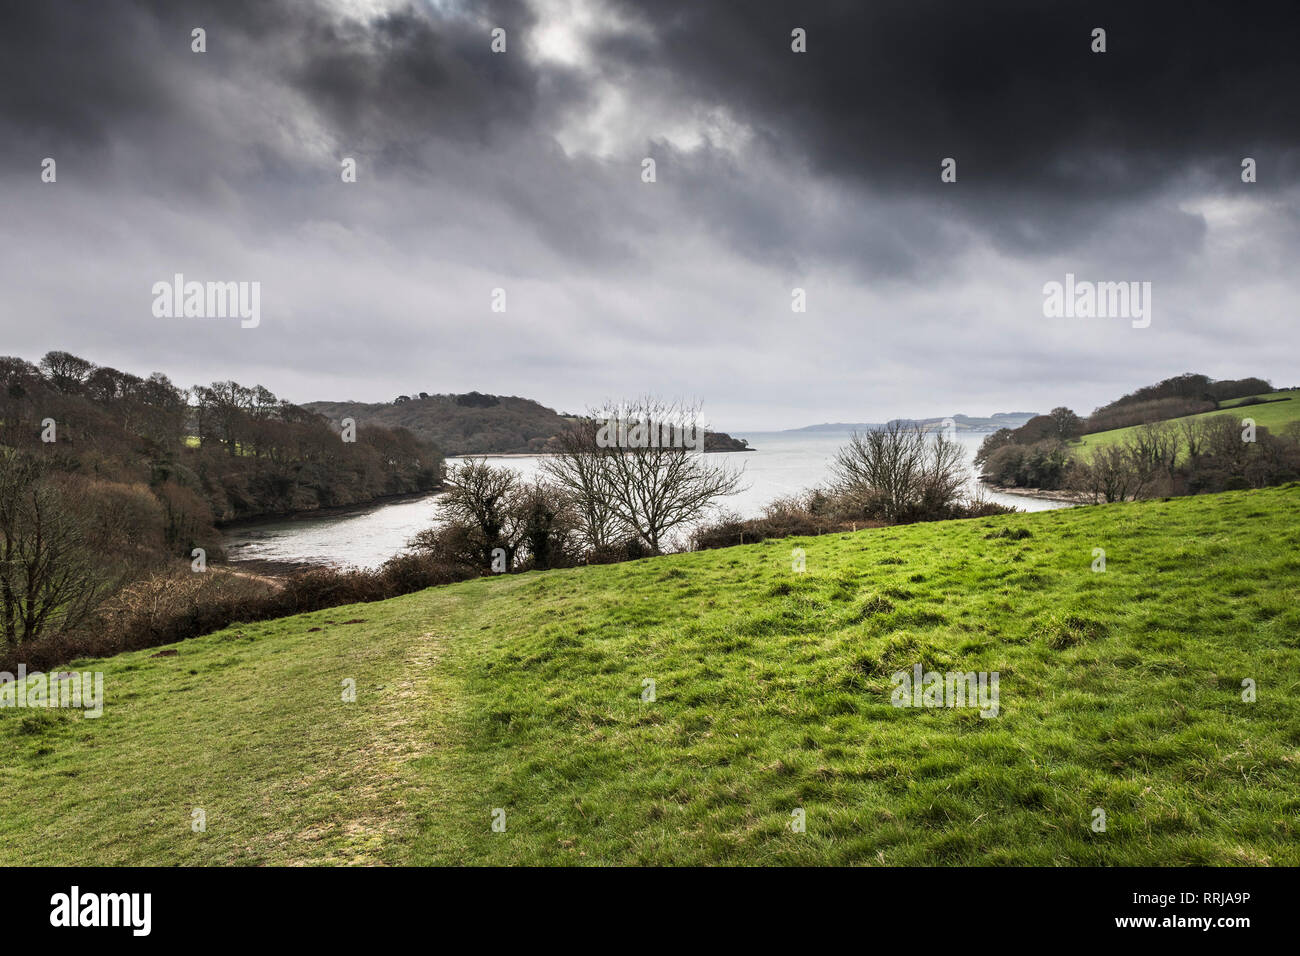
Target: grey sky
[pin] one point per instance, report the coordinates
(522, 170)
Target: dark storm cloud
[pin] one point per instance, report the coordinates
(379, 80)
(776, 169)
(1012, 89)
(401, 78)
(1046, 133)
(1049, 137)
(285, 89)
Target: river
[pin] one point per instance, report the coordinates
(781, 464)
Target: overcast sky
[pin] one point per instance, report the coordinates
(522, 170)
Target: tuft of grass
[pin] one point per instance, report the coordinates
(1011, 534)
(1062, 632)
(876, 605)
(35, 723)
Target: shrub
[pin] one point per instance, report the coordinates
(178, 604)
(802, 515)
(898, 473)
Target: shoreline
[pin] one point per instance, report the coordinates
(273, 571)
(329, 511)
(550, 454)
(1042, 494)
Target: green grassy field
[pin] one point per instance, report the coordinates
(1275, 415)
(1119, 690)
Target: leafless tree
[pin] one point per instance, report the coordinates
(943, 474)
(657, 479)
(1221, 438)
(483, 497)
(47, 578)
(1066, 424)
(1111, 474)
(896, 472)
(578, 468)
(877, 471)
(65, 371)
(1154, 449)
(487, 508)
(545, 516)
(1190, 428)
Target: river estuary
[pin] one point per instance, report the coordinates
(781, 464)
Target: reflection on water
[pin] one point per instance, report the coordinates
(365, 538)
(782, 464)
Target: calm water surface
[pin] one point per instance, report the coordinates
(782, 464)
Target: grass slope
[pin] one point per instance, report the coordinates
(1119, 690)
(1282, 409)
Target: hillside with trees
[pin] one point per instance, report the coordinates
(472, 423)
(108, 479)
(963, 423)
(1184, 435)
(477, 424)
(238, 451)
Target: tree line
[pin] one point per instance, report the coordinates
(108, 478)
(1160, 457)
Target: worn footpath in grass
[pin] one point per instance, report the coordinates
(248, 726)
(1119, 690)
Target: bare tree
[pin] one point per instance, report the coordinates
(482, 497)
(486, 509)
(65, 371)
(1221, 438)
(545, 517)
(1153, 449)
(656, 477)
(47, 578)
(943, 475)
(1066, 425)
(1191, 432)
(1111, 473)
(894, 472)
(877, 471)
(577, 466)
